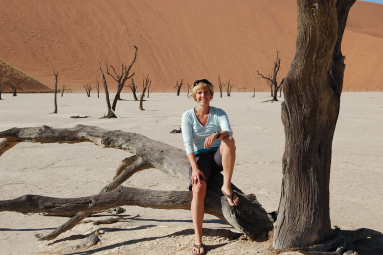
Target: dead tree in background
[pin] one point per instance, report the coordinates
(2, 87)
(63, 89)
(254, 93)
(272, 79)
(133, 87)
(88, 88)
(110, 113)
(56, 74)
(220, 84)
(312, 92)
(188, 91)
(248, 217)
(229, 87)
(14, 87)
(122, 78)
(149, 87)
(145, 84)
(178, 87)
(280, 90)
(98, 88)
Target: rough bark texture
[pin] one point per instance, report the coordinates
(312, 98)
(248, 217)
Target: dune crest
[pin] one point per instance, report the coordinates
(179, 39)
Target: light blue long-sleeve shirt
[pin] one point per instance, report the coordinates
(194, 134)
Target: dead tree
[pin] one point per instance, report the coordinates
(88, 88)
(254, 92)
(98, 88)
(149, 88)
(2, 87)
(133, 87)
(272, 79)
(145, 84)
(178, 87)
(228, 88)
(312, 91)
(56, 74)
(121, 79)
(14, 87)
(110, 113)
(63, 89)
(248, 217)
(188, 91)
(220, 84)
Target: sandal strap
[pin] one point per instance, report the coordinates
(199, 246)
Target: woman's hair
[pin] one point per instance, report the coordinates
(199, 84)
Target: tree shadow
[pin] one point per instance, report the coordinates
(207, 232)
(25, 229)
(365, 241)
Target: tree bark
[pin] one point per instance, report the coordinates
(248, 217)
(309, 114)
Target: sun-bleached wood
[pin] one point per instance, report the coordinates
(248, 217)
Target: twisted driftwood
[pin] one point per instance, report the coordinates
(248, 217)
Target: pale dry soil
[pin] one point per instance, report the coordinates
(74, 170)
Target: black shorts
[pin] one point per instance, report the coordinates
(207, 162)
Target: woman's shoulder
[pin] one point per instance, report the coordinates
(217, 111)
(188, 114)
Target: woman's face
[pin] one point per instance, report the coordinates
(203, 96)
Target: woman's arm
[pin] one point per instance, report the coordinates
(211, 138)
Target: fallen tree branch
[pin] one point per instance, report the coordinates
(248, 217)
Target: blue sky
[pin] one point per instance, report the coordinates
(374, 1)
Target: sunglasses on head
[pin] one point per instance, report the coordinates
(198, 81)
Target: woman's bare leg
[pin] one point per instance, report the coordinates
(198, 211)
(227, 150)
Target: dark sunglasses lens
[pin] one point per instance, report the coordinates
(196, 83)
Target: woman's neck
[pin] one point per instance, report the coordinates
(203, 109)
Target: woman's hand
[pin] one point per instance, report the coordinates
(195, 177)
(209, 140)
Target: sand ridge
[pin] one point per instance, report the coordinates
(176, 39)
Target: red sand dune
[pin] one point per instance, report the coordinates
(188, 39)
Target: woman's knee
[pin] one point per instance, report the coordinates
(229, 141)
(199, 190)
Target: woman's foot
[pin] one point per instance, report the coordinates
(231, 197)
(198, 249)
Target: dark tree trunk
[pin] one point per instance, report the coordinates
(309, 114)
(56, 74)
(134, 94)
(110, 113)
(275, 94)
(142, 100)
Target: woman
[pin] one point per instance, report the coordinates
(210, 147)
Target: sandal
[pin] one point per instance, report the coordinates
(198, 247)
(232, 197)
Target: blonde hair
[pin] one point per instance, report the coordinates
(201, 85)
